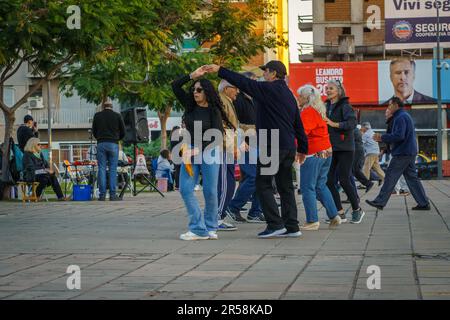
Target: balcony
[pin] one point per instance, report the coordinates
(65, 119)
(305, 23)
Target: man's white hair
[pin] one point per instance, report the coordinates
(223, 84)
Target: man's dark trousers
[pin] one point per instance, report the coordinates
(402, 165)
(264, 190)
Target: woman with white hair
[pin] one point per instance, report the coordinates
(36, 168)
(341, 120)
(314, 171)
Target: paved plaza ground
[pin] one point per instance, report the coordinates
(130, 250)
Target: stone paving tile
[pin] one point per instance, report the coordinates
(123, 255)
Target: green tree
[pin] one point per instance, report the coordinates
(35, 32)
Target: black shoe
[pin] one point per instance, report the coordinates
(101, 198)
(423, 208)
(373, 204)
(115, 198)
(369, 186)
(345, 201)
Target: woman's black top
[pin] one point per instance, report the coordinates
(209, 117)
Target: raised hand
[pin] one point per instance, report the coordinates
(200, 72)
(212, 68)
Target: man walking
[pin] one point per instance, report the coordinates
(404, 152)
(277, 110)
(108, 128)
(372, 151)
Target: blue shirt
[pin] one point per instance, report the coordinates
(370, 145)
(403, 135)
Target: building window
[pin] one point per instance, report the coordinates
(9, 96)
(347, 30)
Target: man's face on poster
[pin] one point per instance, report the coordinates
(402, 77)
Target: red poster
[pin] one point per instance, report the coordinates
(360, 79)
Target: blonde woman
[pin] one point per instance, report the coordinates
(36, 168)
(314, 171)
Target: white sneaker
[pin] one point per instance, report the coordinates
(213, 235)
(313, 226)
(197, 187)
(192, 236)
(335, 222)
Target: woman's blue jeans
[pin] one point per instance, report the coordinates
(199, 223)
(313, 183)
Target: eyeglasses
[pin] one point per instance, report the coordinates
(198, 90)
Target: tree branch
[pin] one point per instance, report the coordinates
(6, 76)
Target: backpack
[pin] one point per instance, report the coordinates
(18, 156)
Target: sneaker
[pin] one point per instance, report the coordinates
(213, 235)
(375, 205)
(343, 217)
(189, 236)
(357, 216)
(422, 208)
(197, 187)
(236, 217)
(224, 226)
(404, 193)
(334, 222)
(268, 233)
(313, 226)
(369, 186)
(288, 234)
(257, 219)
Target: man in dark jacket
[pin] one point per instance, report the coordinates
(276, 111)
(26, 131)
(404, 152)
(108, 128)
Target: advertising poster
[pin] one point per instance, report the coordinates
(412, 24)
(375, 82)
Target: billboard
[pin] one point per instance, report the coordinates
(375, 82)
(412, 24)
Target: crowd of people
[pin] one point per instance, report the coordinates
(322, 139)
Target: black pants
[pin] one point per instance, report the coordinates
(46, 180)
(358, 164)
(342, 162)
(176, 175)
(283, 180)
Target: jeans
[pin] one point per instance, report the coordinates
(107, 155)
(264, 191)
(198, 223)
(342, 162)
(313, 180)
(246, 190)
(402, 165)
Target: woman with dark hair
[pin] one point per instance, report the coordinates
(341, 120)
(203, 106)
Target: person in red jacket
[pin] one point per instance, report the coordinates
(314, 171)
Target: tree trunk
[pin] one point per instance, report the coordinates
(163, 116)
(9, 124)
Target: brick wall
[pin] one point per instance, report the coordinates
(332, 35)
(339, 10)
(374, 37)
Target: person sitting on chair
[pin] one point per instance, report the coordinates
(36, 169)
(165, 168)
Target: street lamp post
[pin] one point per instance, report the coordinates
(439, 95)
